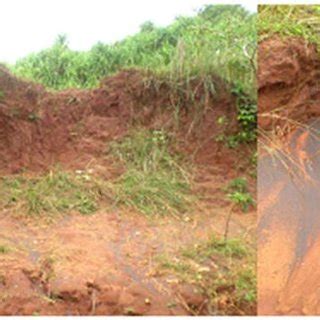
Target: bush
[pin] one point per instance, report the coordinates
(220, 39)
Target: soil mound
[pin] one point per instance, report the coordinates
(289, 78)
(39, 128)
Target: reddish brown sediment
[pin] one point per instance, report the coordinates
(40, 128)
(288, 178)
(288, 227)
(288, 82)
(302, 296)
(105, 264)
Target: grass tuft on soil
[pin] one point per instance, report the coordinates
(290, 21)
(54, 192)
(223, 271)
(154, 182)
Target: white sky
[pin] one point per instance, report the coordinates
(31, 25)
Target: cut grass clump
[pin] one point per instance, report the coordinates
(154, 182)
(290, 21)
(53, 193)
(223, 271)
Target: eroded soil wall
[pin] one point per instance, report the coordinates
(39, 129)
(288, 178)
(289, 82)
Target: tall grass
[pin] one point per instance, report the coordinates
(220, 39)
(290, 20)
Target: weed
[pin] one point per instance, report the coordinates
(240, 184)
(154, 182)
(151, 193)
(51, 193)
(231, 141)
(244, 199)
(232, 248)
(246, 285)
(247, 118)
(238, 193)
(247, 115)
(144, 150)
(215, 266)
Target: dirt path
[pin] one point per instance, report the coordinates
(289, 226)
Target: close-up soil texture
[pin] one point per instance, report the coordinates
(288, 160)
(128, 173)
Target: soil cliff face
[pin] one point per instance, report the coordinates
(40, 128)
(288, 81)
(288, 177)
(104, 264)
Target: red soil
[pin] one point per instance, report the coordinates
(288, 77)
(288, 178)
(39, 128)
(104, 264)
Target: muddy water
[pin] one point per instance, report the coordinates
(289, 226)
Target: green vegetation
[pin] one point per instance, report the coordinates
(224, 271)
(3, 250)
(232, 248)
(55, 192)
(238, 193)
(154, 182)
(247, 118)
(290, 20)
(185, 61)
(220, 39)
